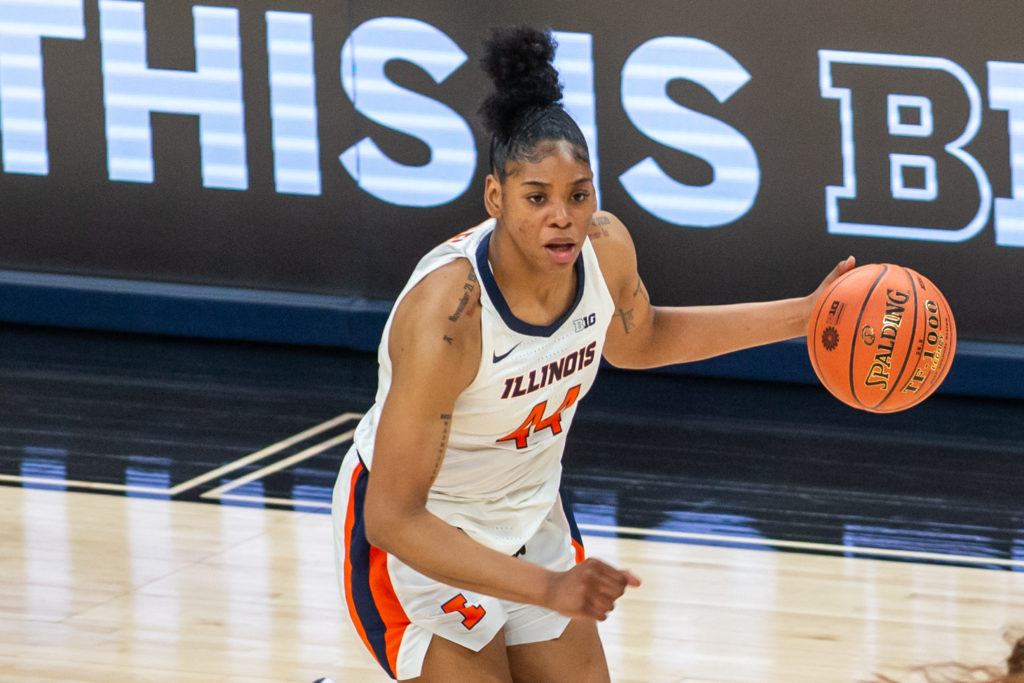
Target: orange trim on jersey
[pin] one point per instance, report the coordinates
(578, 547)
(350, 519)
(391, 612)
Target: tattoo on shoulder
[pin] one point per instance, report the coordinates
(599, 222)
(467, 289)
(448, 339)
(627, 320)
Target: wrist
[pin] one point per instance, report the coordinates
(549, 588)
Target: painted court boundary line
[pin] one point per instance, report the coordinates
(265, 452)
(223, 493)
(655, 534)
(305, 454)
(212, 474)
(80, 484)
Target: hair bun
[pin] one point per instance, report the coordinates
(519, 63)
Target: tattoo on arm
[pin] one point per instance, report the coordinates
(448, 339)
(627, 320)
(467, 289)
(446, 423)
(640, 289)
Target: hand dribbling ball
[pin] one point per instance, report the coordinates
(881, 338)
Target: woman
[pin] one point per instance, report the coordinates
(457, 558)
(954, 672)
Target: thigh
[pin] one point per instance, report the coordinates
(396, 611)
(576, 655)
(446, 661)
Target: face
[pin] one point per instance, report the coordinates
(544, 206)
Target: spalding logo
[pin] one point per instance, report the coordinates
(867, 335)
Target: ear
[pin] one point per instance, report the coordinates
(492, 196)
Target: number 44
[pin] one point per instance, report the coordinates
(536, 421)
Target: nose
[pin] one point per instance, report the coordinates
(560, 216)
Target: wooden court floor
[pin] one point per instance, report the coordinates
(105, 588)
(778, 540)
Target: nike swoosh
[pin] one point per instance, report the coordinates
(498, 359)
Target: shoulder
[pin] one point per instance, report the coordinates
(605, 225)
(438, 320)
(447, 297)
(614, 248)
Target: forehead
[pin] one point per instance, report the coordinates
(550, 157)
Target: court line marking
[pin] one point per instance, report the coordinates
(195, 481)
(264, 452)
(279, 465)
(77, 483)
(294, 502)
(596, 528)
(221, 493)
(800, 545)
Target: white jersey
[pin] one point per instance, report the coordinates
(502, 469)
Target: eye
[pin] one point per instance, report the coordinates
(535, 198)
(581, 196)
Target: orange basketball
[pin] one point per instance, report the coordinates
(882, 338)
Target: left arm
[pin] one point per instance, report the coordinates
(646, 336)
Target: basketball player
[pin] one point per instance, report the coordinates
(962, 673)
(457, 558)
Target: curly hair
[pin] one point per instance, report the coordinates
(953, 672)
(525, 107)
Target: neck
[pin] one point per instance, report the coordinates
(534, 295)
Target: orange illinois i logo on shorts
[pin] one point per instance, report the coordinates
(471, 614)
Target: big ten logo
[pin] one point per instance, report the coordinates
(580, 324)
(835, 312)
(906, 122)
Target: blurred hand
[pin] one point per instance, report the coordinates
(589, 589)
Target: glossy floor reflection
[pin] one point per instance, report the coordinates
(665, 457)
(100, 588)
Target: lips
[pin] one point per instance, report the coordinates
(562, 252)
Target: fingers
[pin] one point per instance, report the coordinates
(592, 587)
(843, 267)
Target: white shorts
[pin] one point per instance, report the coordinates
(396, 610)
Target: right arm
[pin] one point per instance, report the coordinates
(434, 346)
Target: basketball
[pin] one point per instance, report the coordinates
(881, 338)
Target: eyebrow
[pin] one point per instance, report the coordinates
(540, 183)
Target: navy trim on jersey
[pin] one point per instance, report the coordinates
(362, 596)
(483, 266)
(567, 501)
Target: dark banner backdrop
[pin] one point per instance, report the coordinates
(319, 148)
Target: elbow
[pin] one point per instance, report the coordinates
(376, 525)
(386, 523)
